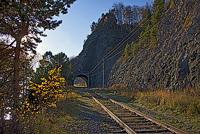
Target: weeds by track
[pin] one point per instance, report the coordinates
(132, 121)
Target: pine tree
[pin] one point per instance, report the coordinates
(127, 51)
(144, 38)
(50, 62)
(146, 15)
(158, 9)
(134, 48)
(93, 26)
(153, 33)
(23, 21)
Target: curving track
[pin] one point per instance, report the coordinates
(133, 121)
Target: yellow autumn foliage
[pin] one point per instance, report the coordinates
(172, 5)
(49, 92)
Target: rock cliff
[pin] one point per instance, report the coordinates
(103, 39)
(174, 63)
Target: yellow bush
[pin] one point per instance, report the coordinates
(48, 93)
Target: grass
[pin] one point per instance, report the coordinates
(179, 108)
(186, 101)
(73, 115)
(51, 120)
(56, 120)
(59, 120)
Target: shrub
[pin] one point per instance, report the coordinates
(191, 109)
(47, 94)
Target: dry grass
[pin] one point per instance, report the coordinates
(182, 106)
(54, 120)
(186, 101)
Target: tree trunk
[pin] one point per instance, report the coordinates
(16, 73)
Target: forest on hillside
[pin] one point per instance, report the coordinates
(146, 16)
(138, 19)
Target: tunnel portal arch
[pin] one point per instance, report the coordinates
(81, 83)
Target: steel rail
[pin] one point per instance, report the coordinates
(158, 122)
(149, 118)
(121, 123)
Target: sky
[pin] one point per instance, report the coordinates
(70, 35)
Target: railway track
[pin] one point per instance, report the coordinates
(132, 121)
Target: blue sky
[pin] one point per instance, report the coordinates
(70, 35)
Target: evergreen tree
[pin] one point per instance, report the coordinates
(23, 21)
(134, 48)
(49, 56)
(62, 59)
(158, 9)
(42, 70)
(146, 15)
(144, 38)
(50, 62)
(127, 51)
(93, 26)
(153, 33)
(6, 78)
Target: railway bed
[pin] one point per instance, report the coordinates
(131, 120)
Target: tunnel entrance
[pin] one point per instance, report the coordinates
(81, 81)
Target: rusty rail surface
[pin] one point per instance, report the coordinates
(165, 125)
(128, 114)
(121, 123)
